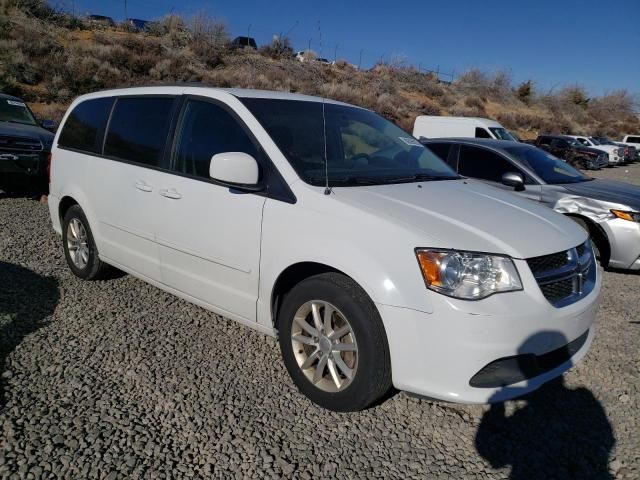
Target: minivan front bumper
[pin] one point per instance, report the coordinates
(437, 354)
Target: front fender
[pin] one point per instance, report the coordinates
(381, 260)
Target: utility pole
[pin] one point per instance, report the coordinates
(335, 53)
(360, 60)
(249, 31)
(126, 15)
(309, 48)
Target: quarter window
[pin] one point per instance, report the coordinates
(482, 133)
(481, 163)
(138, 129)
(440, 149)
(84, 128)
(207, 129)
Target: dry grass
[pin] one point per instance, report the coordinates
(49, 58)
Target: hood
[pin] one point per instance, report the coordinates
(608, 191)
(29, 131)
(468, 215)
(594, 150)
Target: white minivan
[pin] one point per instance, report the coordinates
(435, 126)
(324, 224)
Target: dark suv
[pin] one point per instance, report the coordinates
(572, 151)
(24, 145)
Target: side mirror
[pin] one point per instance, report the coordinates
(237, 169)
(48, 124)
(515, 180)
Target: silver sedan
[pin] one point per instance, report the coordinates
(608, 210)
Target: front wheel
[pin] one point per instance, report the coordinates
(334, 344)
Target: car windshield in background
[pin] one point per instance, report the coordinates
(602, 141)
(503, 134)
(361, 147)
(574, 143)
(15, 111)
(546, 166)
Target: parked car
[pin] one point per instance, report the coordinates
(330, 227)
(616, 153)
(631, 153)
(434, 126)
(632, 140)
(101, 20)
(243, 42)
(607, 210)
(25, 144)
(573, 152)
(137, 24)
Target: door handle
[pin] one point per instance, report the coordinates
(143, 187)
(170, 193)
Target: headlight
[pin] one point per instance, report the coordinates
(467, 275)
(631, 216)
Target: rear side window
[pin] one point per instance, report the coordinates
(633, 139)
(84, 128)
(205, 130)
(480, 163)
(482, 133)
(138, 129)
(440, 149)
(544, 140)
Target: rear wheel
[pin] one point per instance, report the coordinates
(79, 247)
(333, 343)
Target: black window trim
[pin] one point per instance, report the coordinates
(275, 187)
(273, 184)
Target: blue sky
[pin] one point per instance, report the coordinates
(555, 43)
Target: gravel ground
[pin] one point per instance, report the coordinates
(117, 379)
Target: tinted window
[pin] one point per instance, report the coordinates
(207, 129)
(502, 134)
(633, 139)
(138, 129)
(440, 149)
(548, 167)
(85, 125)
(544, 140)
(350, 145)
(482, 133)
(481, 163)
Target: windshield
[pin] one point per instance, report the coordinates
(16, 112)
(361, 147)
(601, 141)
(502, 134)
(549, 168)
(573, 142)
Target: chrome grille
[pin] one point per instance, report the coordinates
(22, 144)
(565, 277)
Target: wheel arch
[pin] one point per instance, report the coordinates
(294, 274)
(65, 204)
(597, 233)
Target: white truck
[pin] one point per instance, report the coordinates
(632, 141)
(434, 126)
(616, 153)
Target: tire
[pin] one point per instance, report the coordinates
(355, 342)
(91, 267)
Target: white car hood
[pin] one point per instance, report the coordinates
(467, 215)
